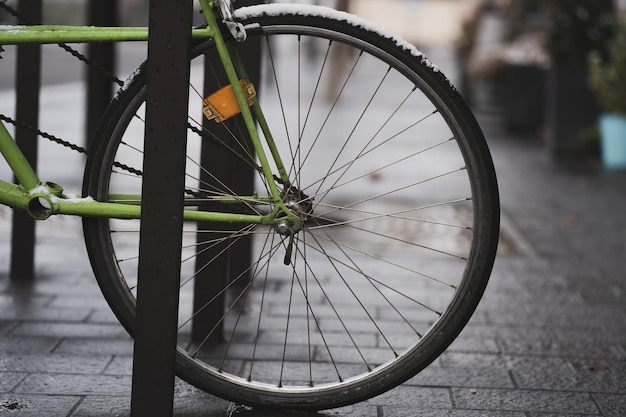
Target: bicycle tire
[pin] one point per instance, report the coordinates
(433, 236)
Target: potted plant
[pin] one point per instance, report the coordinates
(513, 63)
(525, 63)
(576, 28)
(607, 78)
(523, 84)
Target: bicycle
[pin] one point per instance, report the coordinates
(373, 220)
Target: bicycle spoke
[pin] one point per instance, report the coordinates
(318, 134)
(358, 122)
(363, 153)
(372, 215)
(393, 264)
(356, 297)
(368, 255)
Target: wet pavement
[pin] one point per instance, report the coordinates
(548, 339)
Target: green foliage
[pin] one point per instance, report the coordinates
(578, 27)
(607, 77)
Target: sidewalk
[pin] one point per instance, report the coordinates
(549, 338)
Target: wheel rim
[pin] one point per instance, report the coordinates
(291, 331)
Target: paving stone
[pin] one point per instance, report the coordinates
(364, 409)
(352, 356)
(359, 410)
(44, 314)
(53, 364)
(5, 281)
(524, 339)
(558, 415)
(95, 406)
(27, 344)
(525, 400)
(49, 281)
(18, 300)
(70, 330)
(546, 317)
(463, 377)
(188, 402)
(611, 405)
(24, 305)
(601, 335)
(543, 373)
(601, 375)
(8, 380)
(66, 384)
(24, 405)
(612, 318)
(102, 316)
(57, 281)
(405, 411)
(120, 365)
(527, 341)
(99, 346)
(82, 301)
(5, 326)
(420, 397)
(331, 338)
(587, 347)
(479, 330)
(471, 360)
(598, 295)
(466, 343)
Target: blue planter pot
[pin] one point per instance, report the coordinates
(613, 134)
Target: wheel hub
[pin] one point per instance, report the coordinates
(300, 205)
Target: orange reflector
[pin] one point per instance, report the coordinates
(222, 104)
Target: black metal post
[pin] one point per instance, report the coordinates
(28, 81)
(162, 207)
(234, 259)
(99, 85)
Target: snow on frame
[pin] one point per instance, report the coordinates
(43, 190)
(278, 9)
(274, 10)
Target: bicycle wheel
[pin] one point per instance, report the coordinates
(394, 184)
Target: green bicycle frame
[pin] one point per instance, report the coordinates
(41, 200)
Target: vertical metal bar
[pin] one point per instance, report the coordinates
(28, 81)
(210, 280)
(162, 207)
(243, 174)
(239, 177)
(99, 85)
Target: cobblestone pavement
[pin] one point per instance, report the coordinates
(549, 338)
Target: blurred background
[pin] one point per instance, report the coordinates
(547, 82)
(527, 61)
(546, 75)
(542, 76)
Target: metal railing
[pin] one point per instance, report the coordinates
(155, 338)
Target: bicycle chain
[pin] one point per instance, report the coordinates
(43, 134)
(23, 20)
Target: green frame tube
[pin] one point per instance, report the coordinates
(16, 35)
(18, 197)
(21, 168)
(42, 200)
